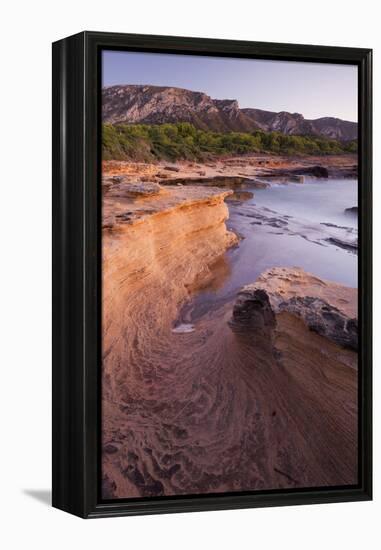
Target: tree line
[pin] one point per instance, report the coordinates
(145, 142)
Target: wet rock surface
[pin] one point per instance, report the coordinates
(323, 234)
(198, 404)
(122, 186)
(320, 304)
(217, 181)
(346, 244)
(316, 171)
(239, 196)
(253, 311)
(325, 319)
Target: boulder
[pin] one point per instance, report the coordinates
(252, 311)
(141, 189)
(326, 308)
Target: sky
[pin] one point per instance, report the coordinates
(312, 89)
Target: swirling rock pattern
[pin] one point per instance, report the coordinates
(211, 410)
(328, 309)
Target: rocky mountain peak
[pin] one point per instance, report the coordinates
(146, 104)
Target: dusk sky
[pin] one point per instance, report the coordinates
(313, 89)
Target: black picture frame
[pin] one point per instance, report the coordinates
(77, 272)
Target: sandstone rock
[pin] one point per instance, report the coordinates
(257, 184)
(326, 308)
(295, 174)
(252, 311)
(239, 195)
(122, 186)
(141, 189)
(109, 181)
(217, 181)
(325, 319)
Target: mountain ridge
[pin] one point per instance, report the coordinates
(146, 104)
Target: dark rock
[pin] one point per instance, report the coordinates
(325, 319)
(347, 245)
(328, 224)
(134, 475)
(154, 489)
(132, 457)
(110, 449)
(295, 174)
(347, 172)
(215, 181)
(352, 210)
(317, 171)
(252, 311)
(256, 309)
(259, 185)
(239, 196)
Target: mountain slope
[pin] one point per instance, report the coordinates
(133, 104)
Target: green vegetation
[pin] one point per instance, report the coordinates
(143, 142)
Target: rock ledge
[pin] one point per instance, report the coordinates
(326, 308)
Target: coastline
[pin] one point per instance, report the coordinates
(253, 165)
(211, 390)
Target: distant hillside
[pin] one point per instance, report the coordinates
(133, 104)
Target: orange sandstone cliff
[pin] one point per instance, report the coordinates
(270, 404)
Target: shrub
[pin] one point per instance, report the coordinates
(183, 141)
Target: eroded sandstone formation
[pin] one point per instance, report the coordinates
(189, 405)
(255, 170)
(156, 252)
(326, 308)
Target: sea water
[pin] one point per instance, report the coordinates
(316, 203)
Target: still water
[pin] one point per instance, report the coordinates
(316, 200)
(287, 226)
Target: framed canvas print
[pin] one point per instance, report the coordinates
(212, 274)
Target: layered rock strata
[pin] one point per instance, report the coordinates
(191, 406)
(326, 308)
